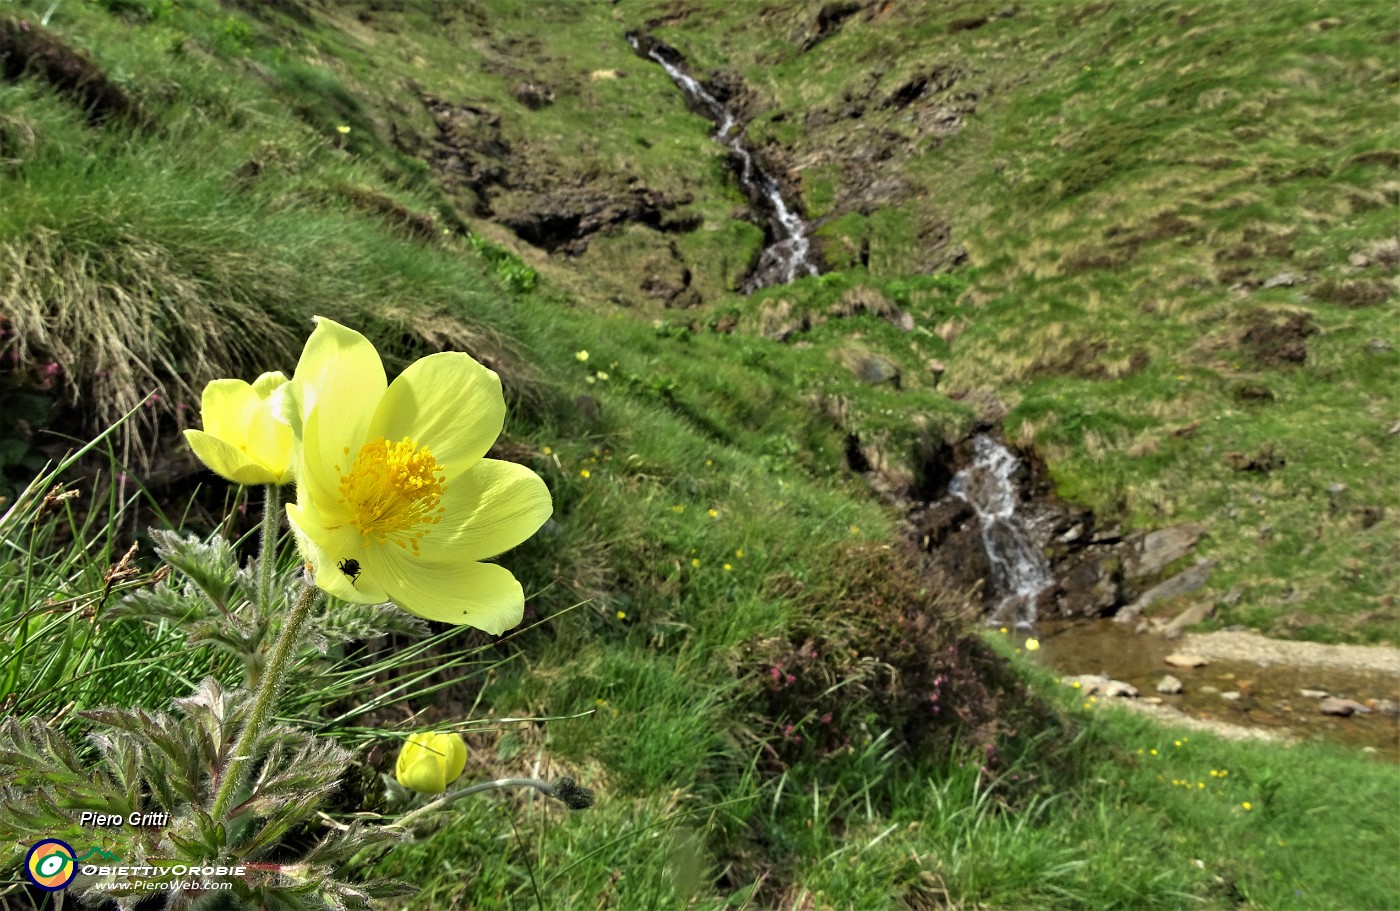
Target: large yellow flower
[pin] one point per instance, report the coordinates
(394, 499)
(244, 439)
(430, 762)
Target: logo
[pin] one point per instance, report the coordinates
(51, 865)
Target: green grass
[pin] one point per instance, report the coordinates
(1120, 174)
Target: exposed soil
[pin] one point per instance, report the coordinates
(28, 49)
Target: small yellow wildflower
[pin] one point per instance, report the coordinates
(855, 529)
(622, 615)
(678, 508)
(1200, 784)
(1002, 631)
(1032, 644)
(395, 501)
(1076, 684)
(695, 562)
(1247, 805)
(727, 567)
(1088, 705)
(589, 379)
(1153, 751)
(585, 474)
(713, 513)
(1177, 742)
(547, 451)
(602, 375)
(342, 129)
(709, 462)
(244, 439)
(739, 553)
(580, 356)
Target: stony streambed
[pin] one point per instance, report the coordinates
(1247, 680)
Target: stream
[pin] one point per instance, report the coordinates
(788, 253)
(1248, 688)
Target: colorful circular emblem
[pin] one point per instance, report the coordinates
(51, 865)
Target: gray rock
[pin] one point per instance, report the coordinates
(1192, 615)
(1343, 708)
(1282, 280)
(1161, 548)
(1169, 685)
(1118, 689)
(1359, 260)
(1208, 689)
(875, 369)
(1181, 659)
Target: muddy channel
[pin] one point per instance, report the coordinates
(1269, 677)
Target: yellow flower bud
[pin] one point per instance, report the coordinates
(428, 763)
(245, 440)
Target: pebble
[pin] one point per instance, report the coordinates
(1169, 685)
(1180, 659)
(1314, 694)
(1333, 705)
(1230, 696)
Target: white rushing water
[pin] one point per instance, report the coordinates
(787, 256)
(1020, 571)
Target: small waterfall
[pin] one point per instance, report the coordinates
(1019, 570)
(788, 255)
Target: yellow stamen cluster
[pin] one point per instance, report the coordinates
(394, 490)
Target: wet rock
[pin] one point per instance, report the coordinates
(1183, 659)
(1313, 694)
(1101, 685)
(1343, 708)
(1169, 685)
(1230, 696)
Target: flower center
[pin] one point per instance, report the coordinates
(393, 492)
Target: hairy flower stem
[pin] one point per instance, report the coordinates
(565, 789)
(263, 703)
(267, 546)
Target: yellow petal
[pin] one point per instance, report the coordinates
(482, 595)
(340, 374)
(447, 402)
(486, 511)
(330, 552)
(228, 462)
(268, 383)
(226, 408)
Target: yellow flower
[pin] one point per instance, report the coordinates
(244, 439)
(585, 474)
(1247, 805)
(394, 499)
(727, 567)
(602, 375)
(622, 615)
(713, 513)
(342, 129)
(1032, 644)
(581, 356)
(430, 762)
(695, 562)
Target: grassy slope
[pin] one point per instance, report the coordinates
(699, 422)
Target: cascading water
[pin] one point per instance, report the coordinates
(1020, 571)
(789, 254)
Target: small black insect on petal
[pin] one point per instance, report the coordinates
(351, 568)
